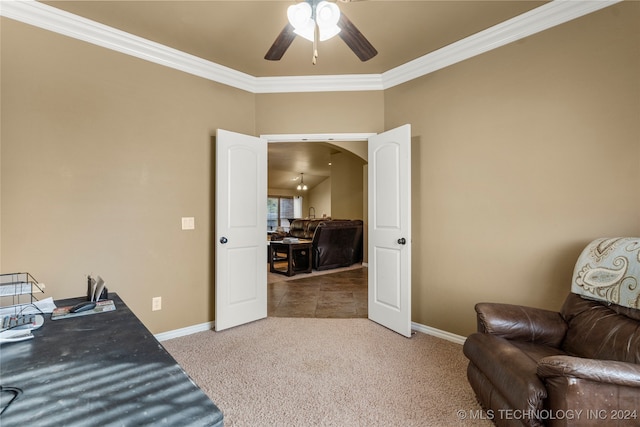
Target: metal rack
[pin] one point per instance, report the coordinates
(18, 290)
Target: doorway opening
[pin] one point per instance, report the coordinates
(336, 293)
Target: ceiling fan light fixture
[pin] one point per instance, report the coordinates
(306, 32)
(327, 33)
(299, 14)
(327, 13)
(327, 17)
(317, 21)
(300, 17)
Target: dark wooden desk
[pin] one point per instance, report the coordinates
(298, 257)
(105, 369)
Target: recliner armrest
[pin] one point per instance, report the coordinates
(517, 322)
(602, 371)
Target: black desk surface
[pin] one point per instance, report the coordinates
(104, 369)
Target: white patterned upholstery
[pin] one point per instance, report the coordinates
(609, 270)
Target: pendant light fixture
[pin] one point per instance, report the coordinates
(302, 186)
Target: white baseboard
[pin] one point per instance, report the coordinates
(458, 339)
(163, 336)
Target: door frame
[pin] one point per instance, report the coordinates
(329, 137)
(318, 137)
(343, 137)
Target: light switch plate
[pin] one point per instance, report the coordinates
(188, 223)
(156, 303)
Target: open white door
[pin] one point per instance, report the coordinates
(390, 229)
(241, 229)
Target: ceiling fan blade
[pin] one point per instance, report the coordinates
(355, 40)
(281, 44)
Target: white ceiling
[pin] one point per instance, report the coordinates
(287, 160)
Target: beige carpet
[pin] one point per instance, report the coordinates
(329, 372)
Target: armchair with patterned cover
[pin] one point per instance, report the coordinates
(576, 367)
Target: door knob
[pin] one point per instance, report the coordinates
(223, 240)
(402, 241)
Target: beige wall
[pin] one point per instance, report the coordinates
(359, 148)
(520, 157)
(346, 186)
(330, 112)
(102, 154)
(320, 198)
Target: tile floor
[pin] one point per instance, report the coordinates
(333, 295)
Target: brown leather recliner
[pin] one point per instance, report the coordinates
(304, 228)
(335, 243)
(576, 367)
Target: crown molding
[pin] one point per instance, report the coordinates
(327, 83)
(544, 17)
(59, 21)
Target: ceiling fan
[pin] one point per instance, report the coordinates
(318, 20)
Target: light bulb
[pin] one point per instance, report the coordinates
(300, 17)
(327, 14)
(327, 17)
(299, 14)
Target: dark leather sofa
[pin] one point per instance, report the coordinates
(577, 367)
(335, 243)
(304, 228)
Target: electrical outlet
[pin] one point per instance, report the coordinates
(156, 303)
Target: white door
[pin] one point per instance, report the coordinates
(390, 229)
(241, 229)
